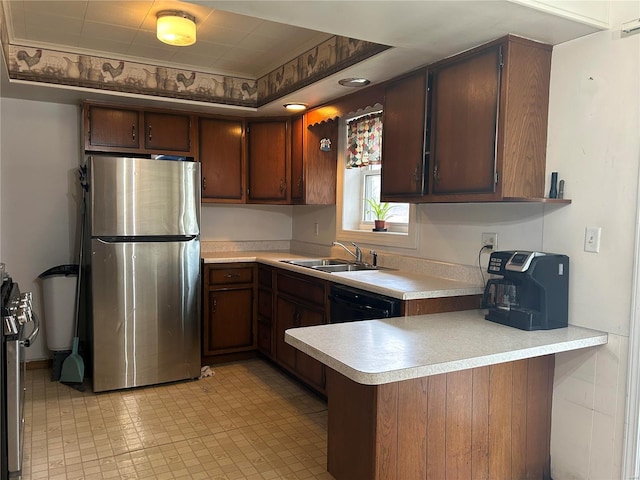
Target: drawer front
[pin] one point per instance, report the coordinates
(230, 275)
(310, 291)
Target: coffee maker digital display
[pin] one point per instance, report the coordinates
(532, 293)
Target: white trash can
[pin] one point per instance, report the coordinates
(59, 301)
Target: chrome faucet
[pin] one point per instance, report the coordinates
(357, 255)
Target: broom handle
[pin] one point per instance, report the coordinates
(80, 257)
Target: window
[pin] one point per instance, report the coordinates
(360, 150)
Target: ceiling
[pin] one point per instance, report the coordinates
(251, 38)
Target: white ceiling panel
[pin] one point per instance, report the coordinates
(250, 38)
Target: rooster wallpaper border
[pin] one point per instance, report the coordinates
(50, 66)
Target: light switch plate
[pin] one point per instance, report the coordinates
(592, 239)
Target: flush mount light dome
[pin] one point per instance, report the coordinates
(295, 106)
(175, 27)
(354, 82)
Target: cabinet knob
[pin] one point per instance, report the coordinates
(133, 133)
(204, 183)
(150, 136)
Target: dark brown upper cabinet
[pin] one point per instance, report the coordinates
(403, 138)
(313, 162)
(297, 160)
(485, 133)
(167, 132)
(488, 123)
(269, 157)
(221, 155)
(121, 129)
(109, 128)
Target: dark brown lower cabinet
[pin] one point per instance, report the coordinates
(265, 310)
(300, 302)
(228, 310)
(490, 422)
(290, 315)
(242, 316)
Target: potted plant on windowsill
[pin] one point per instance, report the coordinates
(381, 212)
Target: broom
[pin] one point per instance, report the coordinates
(73, 366)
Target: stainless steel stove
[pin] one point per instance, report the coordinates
(20, 329)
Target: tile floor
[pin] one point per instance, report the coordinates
(247, 421)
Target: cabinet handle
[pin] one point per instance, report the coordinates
(231, 275)
(214, 305)
(204, 183)
(297, 317)
(133, 133)
(150, 136)
(300, 184)
(416, 177)
(436, 177)
(283, 186)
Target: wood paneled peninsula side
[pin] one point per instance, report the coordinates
(447, 395)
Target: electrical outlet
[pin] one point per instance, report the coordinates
(490, 239)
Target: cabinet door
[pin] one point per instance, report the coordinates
(297, 160)
(403, 138)
(307, 367)
(228, 321)
(167, 132)
(464, 115)
(112, 128)
(265, 311)
(287, 316)
(268, 162)
(320, 165)
(222, 160)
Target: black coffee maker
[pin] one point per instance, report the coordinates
(533, 293)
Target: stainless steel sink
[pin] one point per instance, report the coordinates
(346, 267)
(320, 262)
(330, 265)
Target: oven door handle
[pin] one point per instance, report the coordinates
(27, 342)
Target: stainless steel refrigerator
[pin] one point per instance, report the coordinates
(144, 224)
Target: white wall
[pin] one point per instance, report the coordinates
(246, 222)
(40, 151)
(594, 143)
(305, 219)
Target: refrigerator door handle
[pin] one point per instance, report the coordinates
(137, 239)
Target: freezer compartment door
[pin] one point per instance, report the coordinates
(146, 313)
(140, 196)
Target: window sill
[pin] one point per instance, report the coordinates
(387, 239)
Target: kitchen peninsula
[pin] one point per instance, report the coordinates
(438, 396)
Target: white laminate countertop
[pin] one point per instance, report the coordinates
(393, 283)
(375, 352)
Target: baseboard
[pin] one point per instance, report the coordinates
(38, 364)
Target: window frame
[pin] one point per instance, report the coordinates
(402, 239)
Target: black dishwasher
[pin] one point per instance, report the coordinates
(351, 304)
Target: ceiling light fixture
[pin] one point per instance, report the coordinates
(354, 82)
(295, 106)
(175, 27)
